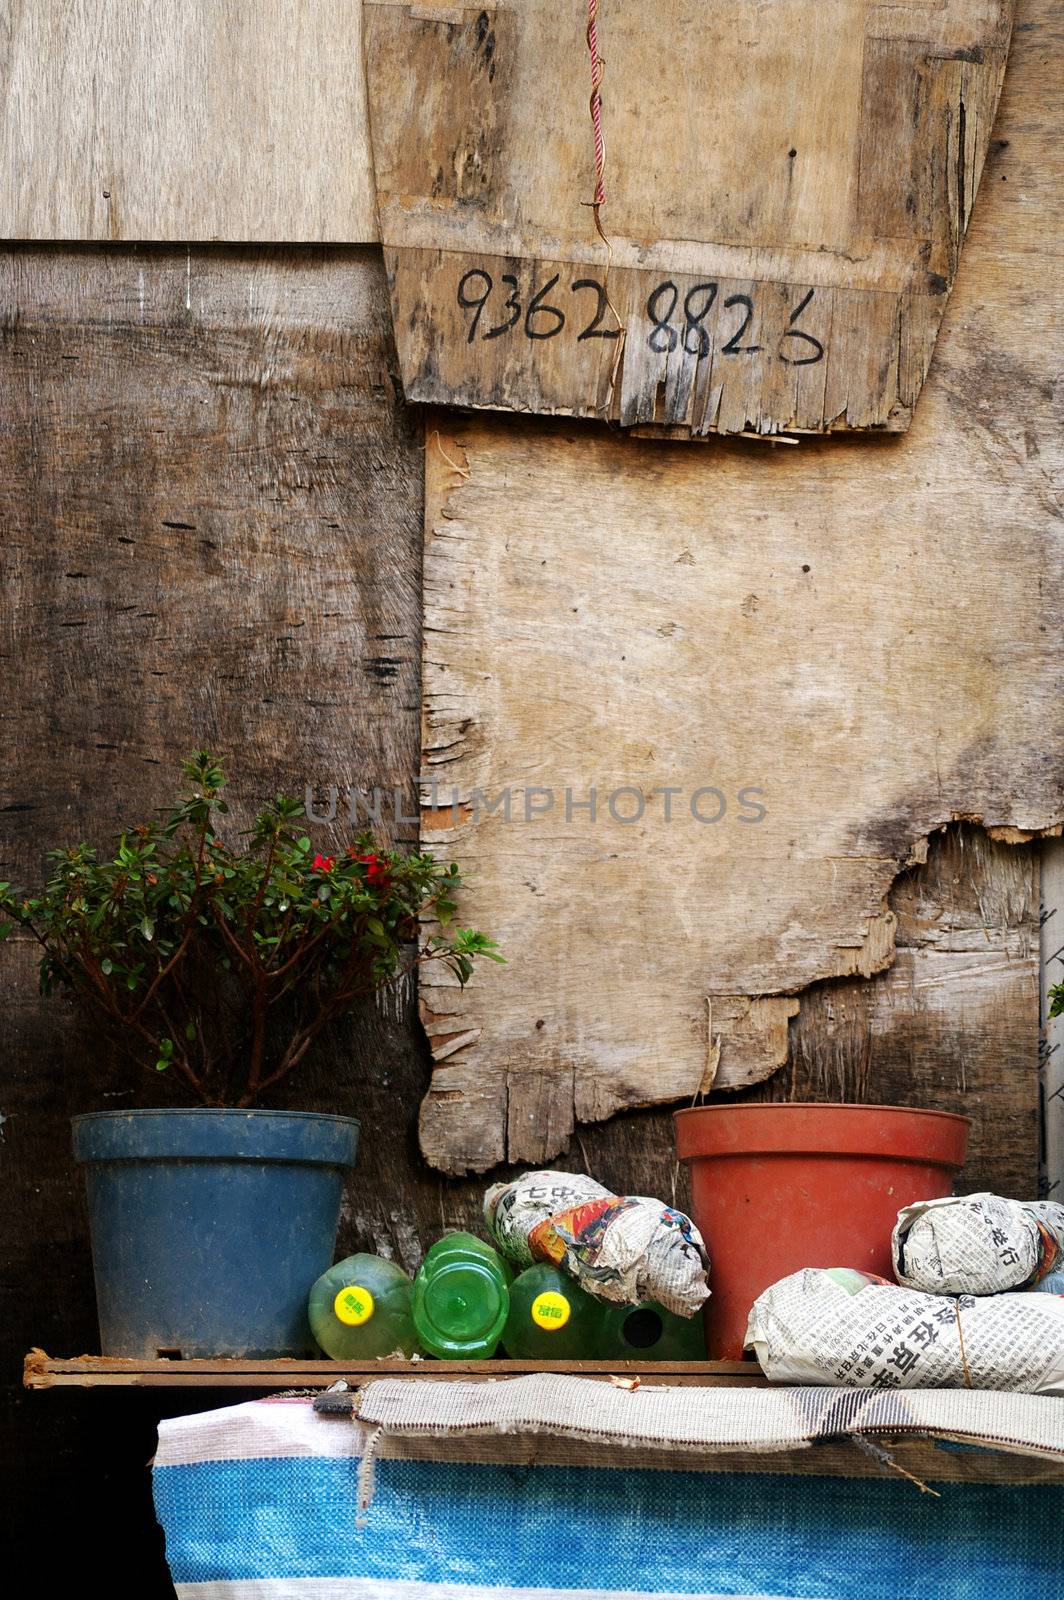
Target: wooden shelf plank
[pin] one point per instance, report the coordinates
(41, 1371)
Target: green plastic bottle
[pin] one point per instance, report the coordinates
(551, 1317)
(461, 1298)
(360, 1309)
(647, 1332)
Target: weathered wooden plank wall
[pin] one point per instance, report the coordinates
(212, 505)
(134, 119)
(212, 501)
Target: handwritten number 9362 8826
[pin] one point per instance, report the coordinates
(674, 321)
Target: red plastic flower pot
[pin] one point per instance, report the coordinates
(775, 1188)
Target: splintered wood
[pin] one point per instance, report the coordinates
(787, 189)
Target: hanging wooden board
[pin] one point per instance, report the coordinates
(787, 182)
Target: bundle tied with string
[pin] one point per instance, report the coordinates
(848, 1328)
(622, 1248)
(978, 1244)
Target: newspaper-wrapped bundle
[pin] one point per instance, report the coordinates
(513, 1211)
(977, 1244)
(847, 1328)
(624, 1248)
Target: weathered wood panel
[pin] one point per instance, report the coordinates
(133, 119)
(597, 621)
(868, 633)
(41, 1371)
(211, 504)
(787, 185)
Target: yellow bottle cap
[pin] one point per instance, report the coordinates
(353, 1306)
(551, 1311)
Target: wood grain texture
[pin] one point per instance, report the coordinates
(212, 509)
(131, 119)
(828, 1458)
(869, 632)
(785, 213)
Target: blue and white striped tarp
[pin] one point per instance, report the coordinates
(260, 1502)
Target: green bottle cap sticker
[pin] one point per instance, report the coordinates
(353, 1306)
(551, 1311)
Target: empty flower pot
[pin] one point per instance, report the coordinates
(775, 1188)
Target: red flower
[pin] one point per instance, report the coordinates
(376, 870)
(323, 863)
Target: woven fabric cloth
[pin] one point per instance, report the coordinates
(261, 1502)
(710, 1418)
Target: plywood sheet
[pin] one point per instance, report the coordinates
(134, 119)
(870, 633)
(603, 618)
(787, 189)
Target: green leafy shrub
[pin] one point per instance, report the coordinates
(224, 964)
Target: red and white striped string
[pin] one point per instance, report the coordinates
(597, 69)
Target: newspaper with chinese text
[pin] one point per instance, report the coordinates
(843, 1327)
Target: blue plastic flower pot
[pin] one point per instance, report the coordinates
(209, 1227)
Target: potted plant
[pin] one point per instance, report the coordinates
(219, 964)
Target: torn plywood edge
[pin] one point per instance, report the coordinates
(954, 1020)
(788, 187)
(834, 661)
(757, 1034)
